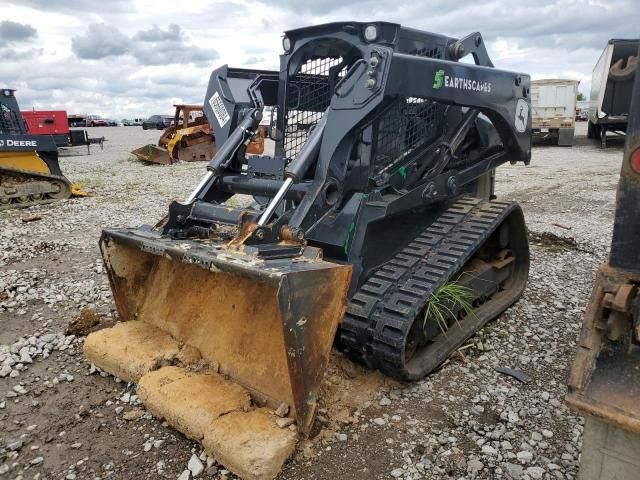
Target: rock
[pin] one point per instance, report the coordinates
(385, 402)
(474, 466)
(14, 446)
(285, 422)
(195, 466)
(186, 475)
(25, 357)
(397, 472)
(547, 433)
(190, 401)
(282, 411)
(513, 417)
(379, 421)
(4, 371)
(133, 415)
(341, 437)
(489, 450)
(249, 444)
(524, 456)
(513, 471)
(37, 461)
(536, 473)
(20, 390)
(48, 337)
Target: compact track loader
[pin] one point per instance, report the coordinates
(604, 384)
(379, 194)
(29, 169)
(189, 139)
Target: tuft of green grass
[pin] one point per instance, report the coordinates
(447, 302)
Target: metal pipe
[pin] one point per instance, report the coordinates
(308, 154)
(266, 215)
(298, 167)
(242, 132)
(225, 153)
(263, 187)
(199, 188)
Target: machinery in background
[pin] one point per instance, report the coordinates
(48, 122)
(604, 384)
(29, 170)
(611, 86)
(56, 123)
(189, 138)
(582, 110)
(553, 110)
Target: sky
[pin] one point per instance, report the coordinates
(134, 58)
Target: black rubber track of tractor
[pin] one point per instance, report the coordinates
(25, 176)
(380, 314)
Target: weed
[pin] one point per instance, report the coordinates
(450, 299)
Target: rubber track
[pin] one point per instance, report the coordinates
(27, 175)
(380, 314)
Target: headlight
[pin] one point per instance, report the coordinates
(371, 33)
(286, 44)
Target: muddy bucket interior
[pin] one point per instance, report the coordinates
(152, 153)
(268, 325)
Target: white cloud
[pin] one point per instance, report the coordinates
(135, 57)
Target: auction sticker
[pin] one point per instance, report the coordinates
(220, 111)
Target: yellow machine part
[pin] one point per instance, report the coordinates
(177, 137)
(78, 191)
(25, 161)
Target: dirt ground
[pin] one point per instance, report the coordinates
(61, 420)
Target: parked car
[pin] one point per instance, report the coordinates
(126, 122)
(96, 121)
(138, 121)
(157, 121)
(111, 123)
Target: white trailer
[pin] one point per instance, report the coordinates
(553, 109)
(611, 86)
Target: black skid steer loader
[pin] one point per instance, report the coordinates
(379, 193)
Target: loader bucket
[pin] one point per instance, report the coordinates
(153, 154)
(268, 325)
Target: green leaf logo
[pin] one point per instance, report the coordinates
(438, 79)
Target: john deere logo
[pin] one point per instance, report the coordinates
(438, 79)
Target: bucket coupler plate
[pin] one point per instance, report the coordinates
(268, 323)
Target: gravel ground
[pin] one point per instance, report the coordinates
(61, 419)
